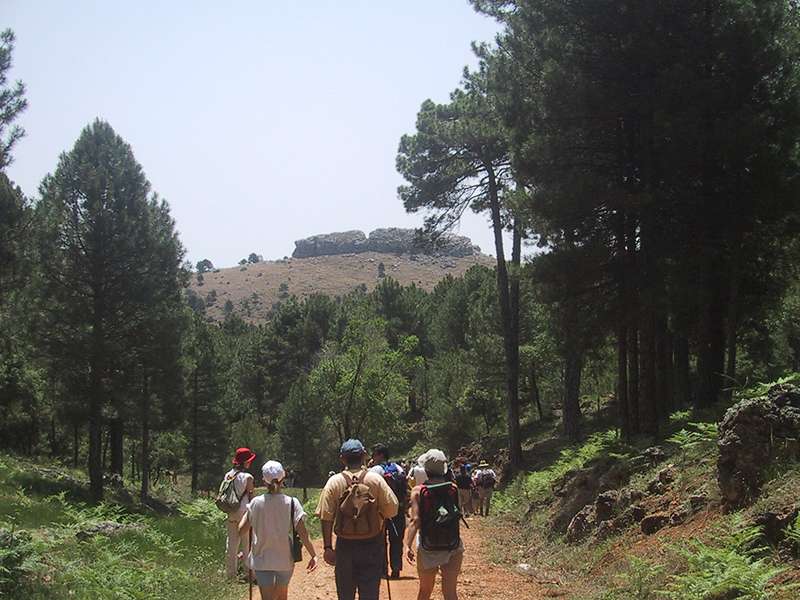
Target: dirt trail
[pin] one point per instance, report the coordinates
(479, 579)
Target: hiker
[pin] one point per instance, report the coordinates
(396, 526)
(273, 517)
(464, 485)
(358, 557)
(486, 479)
(445, 558)
(243, 486)
(417, 475)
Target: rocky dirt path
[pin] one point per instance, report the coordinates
(480, 578)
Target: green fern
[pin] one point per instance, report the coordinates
(735, 564)
(701, 434)
(761, 389)
(641, 581)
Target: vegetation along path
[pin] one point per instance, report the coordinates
(480, 578)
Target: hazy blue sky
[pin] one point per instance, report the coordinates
(260, 122)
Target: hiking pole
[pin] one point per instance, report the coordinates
(250, 566)
(386, 556)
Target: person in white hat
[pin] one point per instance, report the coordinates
(272, 516)
(486, 479)
(417, 475)
(445, 561)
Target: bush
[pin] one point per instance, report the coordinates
(16, 558)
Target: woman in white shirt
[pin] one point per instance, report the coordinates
(243, 486)
(271, 518)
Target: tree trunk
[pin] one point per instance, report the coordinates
(683, 384)
(622, 383)
(116, 434)
(648, 403)
(710, 348)
(76, 441)
(534, 387)
(508, 293)
(730, 372)
(95, 458)
(664, 377)
(573, 366)
(195, 447)
(633, 381)
(145, 489)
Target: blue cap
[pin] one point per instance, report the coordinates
(469, 466)
(352, 446)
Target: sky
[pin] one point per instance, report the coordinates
(259, 122)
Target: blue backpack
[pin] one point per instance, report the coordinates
(396, 479)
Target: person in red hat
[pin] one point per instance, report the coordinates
(243, 484)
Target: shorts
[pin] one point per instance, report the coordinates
(274, 577)
(453, 564)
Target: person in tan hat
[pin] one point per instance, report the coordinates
(445, 554)
(243, 485)
(485, 480)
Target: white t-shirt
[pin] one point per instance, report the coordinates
(270, 517)
(419, 475)
(381, 471)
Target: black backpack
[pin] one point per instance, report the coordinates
(438, 507)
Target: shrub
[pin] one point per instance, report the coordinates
(16, 558)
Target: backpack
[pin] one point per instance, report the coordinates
(357, 516)
(396, 479)
(228, 500)
(487, 479)
(438, 506)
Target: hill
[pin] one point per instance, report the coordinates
(252, 290)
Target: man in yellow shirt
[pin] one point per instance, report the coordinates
(358, 562)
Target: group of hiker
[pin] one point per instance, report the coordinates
(369, 505)
(475, 488)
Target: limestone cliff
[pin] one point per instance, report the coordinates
(391, 240)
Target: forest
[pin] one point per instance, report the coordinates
(642, 155)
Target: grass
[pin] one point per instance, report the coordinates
(55, 545)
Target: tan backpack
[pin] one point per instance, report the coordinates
(357, 516)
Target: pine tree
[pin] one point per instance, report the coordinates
(110, 266)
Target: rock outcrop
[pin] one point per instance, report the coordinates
(752, 435)
(331, 243)
(391, 240)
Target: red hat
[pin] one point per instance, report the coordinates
(242, 456)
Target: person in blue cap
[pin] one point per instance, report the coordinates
(358, 562)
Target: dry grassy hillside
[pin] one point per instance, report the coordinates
(253, 289)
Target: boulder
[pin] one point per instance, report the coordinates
(392, 240)
(752, 435)
(331, 244)
(652, 523)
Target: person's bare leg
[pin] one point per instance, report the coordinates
(267, 592)
(426, 582)
(449, 581)
(281, 592)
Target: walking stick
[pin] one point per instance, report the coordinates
(386, 556)
(250, 567)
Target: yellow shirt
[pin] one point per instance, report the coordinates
(337, 484)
